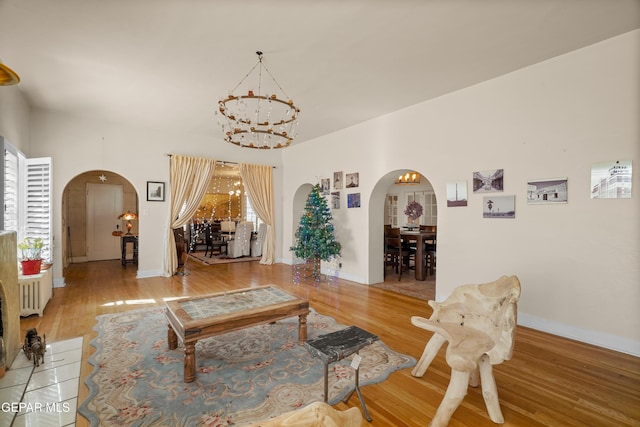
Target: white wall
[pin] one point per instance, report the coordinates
(578, 262)
(14, 118)
(78, 145)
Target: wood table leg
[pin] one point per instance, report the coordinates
(419, 262)
(189, 362)
(172, 338)
(326, 382)
(302, 329)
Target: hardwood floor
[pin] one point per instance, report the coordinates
(550, 381)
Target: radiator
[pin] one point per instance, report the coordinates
(35, 292)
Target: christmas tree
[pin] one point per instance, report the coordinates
(315, 238)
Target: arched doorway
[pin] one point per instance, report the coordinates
(385, 186)
(91, 204)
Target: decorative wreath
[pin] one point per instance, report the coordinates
(413, 210)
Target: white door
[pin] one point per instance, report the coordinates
(104, 206)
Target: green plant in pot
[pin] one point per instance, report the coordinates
(31, 259)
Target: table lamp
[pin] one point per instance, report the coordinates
(128, 216)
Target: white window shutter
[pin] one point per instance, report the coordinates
(38, 202)
(11, 191)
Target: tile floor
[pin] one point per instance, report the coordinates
(49, 393)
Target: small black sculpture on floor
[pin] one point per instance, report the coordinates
(34, 346)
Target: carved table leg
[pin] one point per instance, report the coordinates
(189, 362)
(172, 338)
(302, 329)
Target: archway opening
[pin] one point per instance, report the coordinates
(91, 205)
(389, 199)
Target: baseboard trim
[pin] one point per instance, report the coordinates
(600, 339)
(323, 270)
(58, 282)
(143, 274)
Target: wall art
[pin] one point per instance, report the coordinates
(155, 191)
(457, 194)
(547, 191)
(499, 207)
(325, 186)
(335, 200)
(489, 181)
(337, 180)
(611, 180)
(353, 200)
(353, 180)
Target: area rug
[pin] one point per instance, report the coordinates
(219, 259)
(241, 377)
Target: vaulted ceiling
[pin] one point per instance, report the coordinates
(165, 63)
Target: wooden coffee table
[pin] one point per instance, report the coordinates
(201, 317)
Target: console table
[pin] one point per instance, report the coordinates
(133, 240)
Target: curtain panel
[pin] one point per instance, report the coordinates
(189, 178)
(258, 183)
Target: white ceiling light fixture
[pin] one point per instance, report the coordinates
(258, 118)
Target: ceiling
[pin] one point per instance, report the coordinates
(164, 64)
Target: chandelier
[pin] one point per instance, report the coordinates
(409, 178)
(258, 118)
(8, 77)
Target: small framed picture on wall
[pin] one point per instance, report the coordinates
(353, 180)
(155, 191)
(353, 200)
(324, 186)
(337, 180)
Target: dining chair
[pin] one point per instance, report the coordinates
(429, 249)
(228, 227)
(214, 241)
(240, 244)
(258, 241)
(396, 255)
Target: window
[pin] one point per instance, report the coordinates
(391, 211)
(250, 214)
(26, 190)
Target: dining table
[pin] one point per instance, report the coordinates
(421, 238)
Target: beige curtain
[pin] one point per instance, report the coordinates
(189, 178)
(258, 182)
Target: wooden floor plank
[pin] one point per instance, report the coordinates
(550, 381)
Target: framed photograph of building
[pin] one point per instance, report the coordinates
(335, 200)
(337, 180)
(547, 191)
(611, 180)
(324, 186)
(489, 181)
(499, 207)
(457, 194)
(155, 191)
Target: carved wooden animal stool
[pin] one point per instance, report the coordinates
(479, 322)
